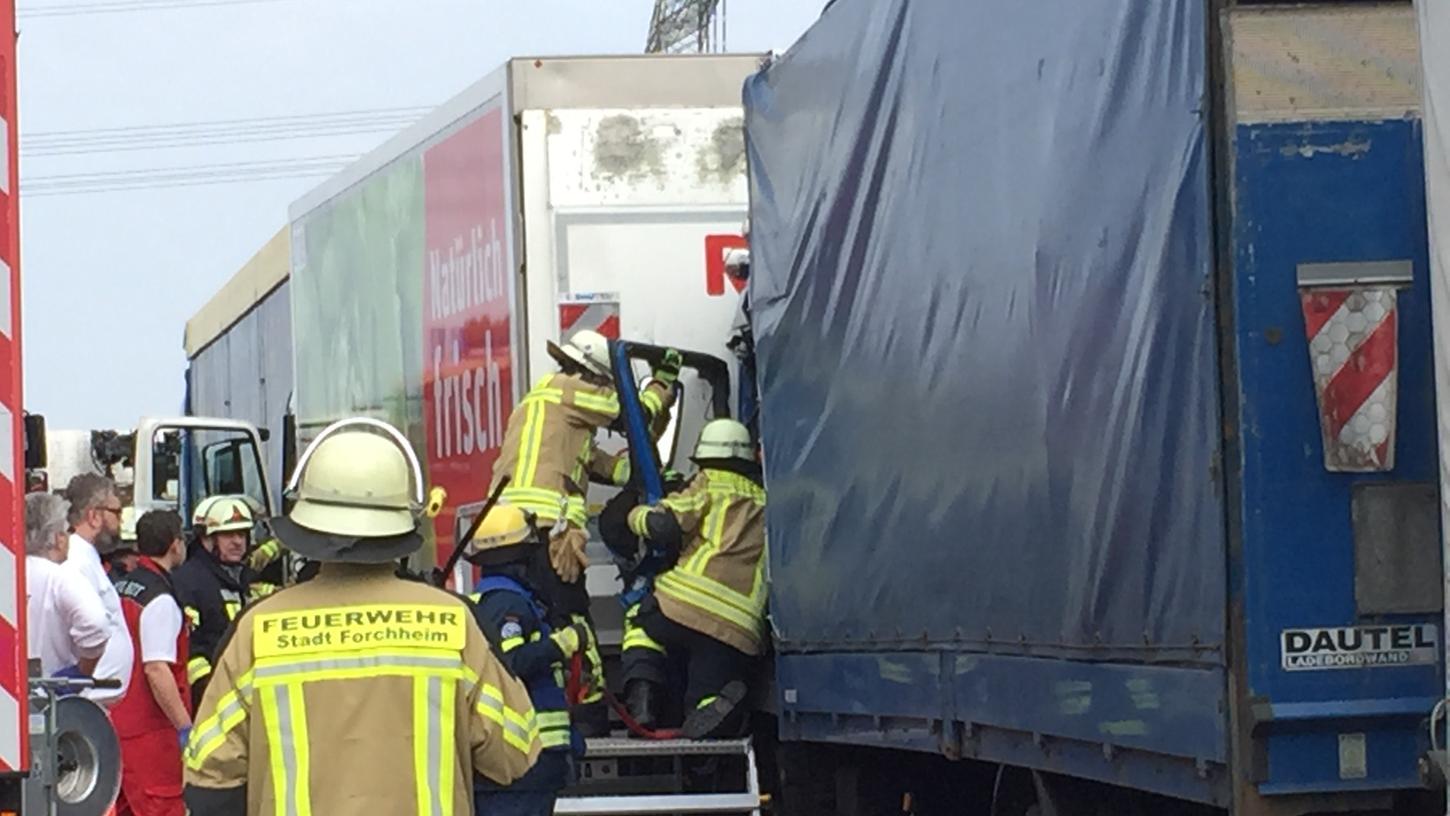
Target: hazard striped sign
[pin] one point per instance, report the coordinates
(1352, 334)
(596, 313)
(14, 721)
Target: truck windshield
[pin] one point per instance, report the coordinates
(221, 462)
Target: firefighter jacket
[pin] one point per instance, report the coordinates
(717, 586)
(548, 448)
(212, 596)
(357, 692)
(138, 712)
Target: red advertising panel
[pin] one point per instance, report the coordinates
(467, 376)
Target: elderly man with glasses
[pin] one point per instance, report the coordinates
(95, 519)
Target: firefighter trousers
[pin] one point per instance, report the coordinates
(708, 665)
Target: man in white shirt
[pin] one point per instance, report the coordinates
(68, 626)
(95, 516)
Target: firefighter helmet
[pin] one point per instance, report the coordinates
(198, 516)
(588, 349)
(500, 535)
(229, 514)
(725, 439)
(359, 495)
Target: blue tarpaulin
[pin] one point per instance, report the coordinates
(984, 314)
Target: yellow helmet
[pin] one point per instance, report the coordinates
(504, 527)
(228, 513)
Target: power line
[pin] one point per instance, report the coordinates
(86, 9)
(211, 124)
(171, 140)
(181, 175)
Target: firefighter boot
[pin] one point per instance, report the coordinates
(720, 716)
(642, 698)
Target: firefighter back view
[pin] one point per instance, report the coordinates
(357, 692)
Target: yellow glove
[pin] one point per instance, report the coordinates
(264, 554)
(566, 554)
(567, 640)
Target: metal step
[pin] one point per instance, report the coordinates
(625, 802)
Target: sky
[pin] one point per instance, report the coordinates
(110, 278)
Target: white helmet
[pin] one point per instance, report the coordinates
(228, 514)
(359, 496)
(198, 515)
(725, 439)
(589, 349)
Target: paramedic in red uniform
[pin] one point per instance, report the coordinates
(154, 719)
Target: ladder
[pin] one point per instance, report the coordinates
(608, 784)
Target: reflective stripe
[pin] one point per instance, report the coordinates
(554, 728)
(704, 701)
(711, 597)
(529, 441)
(286, 721)
(197, 668)
(577, 512)
(194, 616)
(428, 718)
(509, 644)
(544, 503)
(651, 402)
(621, 470)
(211, 733)
(232, 608)
(639, 520)
(686, 503)
(714, 528)
(600, 404)
(519, 730)
(635, 637)
(368, 664)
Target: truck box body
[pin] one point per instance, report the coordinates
(239, 351)
(551, 196)
(1045, 403)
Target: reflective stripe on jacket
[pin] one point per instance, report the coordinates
(548, 448)
(357, 692)
(717, 586)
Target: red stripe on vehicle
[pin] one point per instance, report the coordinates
(1361, 374)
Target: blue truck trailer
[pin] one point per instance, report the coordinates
(1094, 352)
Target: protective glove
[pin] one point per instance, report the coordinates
(567, 640)
(184, 733)
(566, 554)
(264, 554)
(668, 370)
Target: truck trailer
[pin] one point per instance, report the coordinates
(1098, 409)
(554, 195)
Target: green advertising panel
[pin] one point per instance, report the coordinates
(357, 291)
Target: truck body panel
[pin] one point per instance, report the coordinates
(239, 348)
(551, 196)
(1328, 168)
(1044, 440)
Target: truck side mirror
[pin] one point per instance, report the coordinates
(34, 442)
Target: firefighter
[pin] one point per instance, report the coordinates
(511, 613)
(549, 454)
(358, 691)
(708, 610)
(214, 584)
(153, 719)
